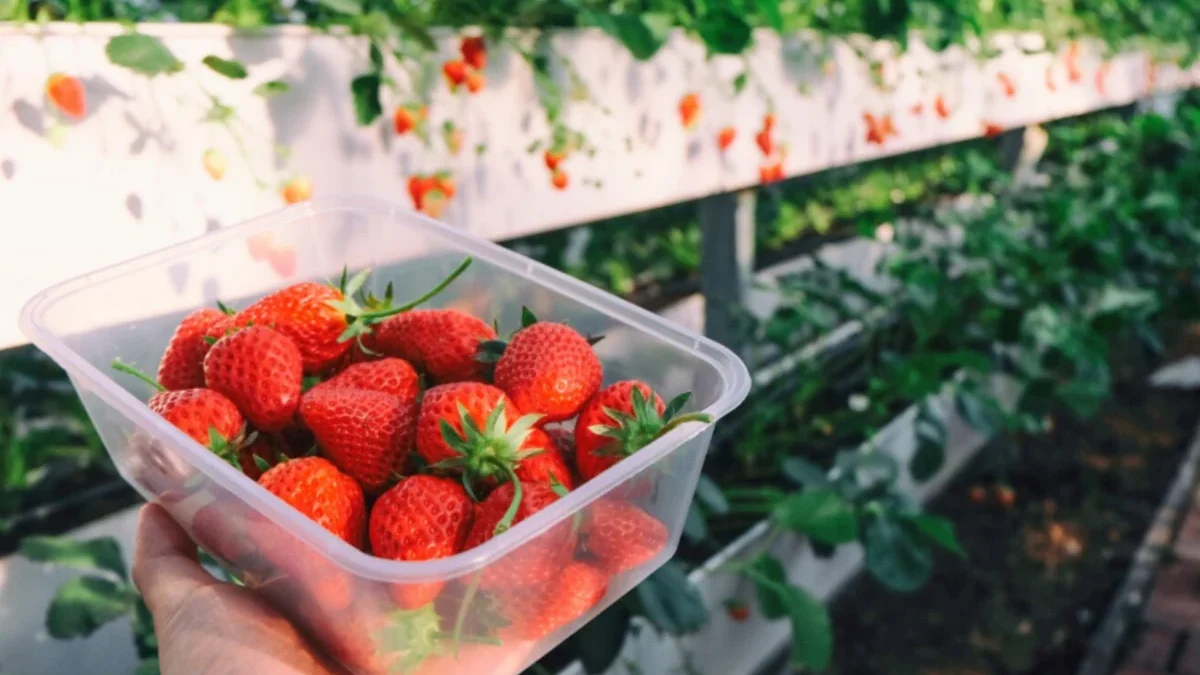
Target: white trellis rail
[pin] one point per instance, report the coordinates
(128, 178)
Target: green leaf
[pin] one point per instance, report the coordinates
(143, 54)
(234, 70)
(939, 530)
(931, 444)
(894, 556)
(671, 602)
(1114, 300)
(812, 635)
(739, 82)
(272, 88)
(724, 32)
(803, 472)
(148, 667)
(769, 10)
(348, 7)
(599, 641)
(695, 524)
(821, 514)
(528, 318)
(710, 495)
(978, 412)
(365, 89)
(642, 34)
(92, 554)
(84, 604)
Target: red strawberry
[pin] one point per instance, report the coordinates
(474, 52)
(367, 434)
(689, 110)
(550, 369)
(535, 561)
(553, 158)
(323, 320)
(465, 426)
(765, 143)
(455, 72)
(444, 182)
(406, 118)
(940, 107)
(182, 365)
(991, 129)
(559, 180)
(314, 487)
(421, 518)
(548, 465)
(259, 370)
(67, 94)
(768, 121)
(475, 81)
(621, 536)
(296, 190)
(390, 376)
(211, 419)
(725, 138)
(538, 611)
(418, 186)
(622, 419)
(442, 342)
(737, 610)
(1007, 86)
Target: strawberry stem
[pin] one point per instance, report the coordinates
(122, 367)
(684, 419)
(511, 513)
(391, 311)
(461, 618)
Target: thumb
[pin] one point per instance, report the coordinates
(165, 568)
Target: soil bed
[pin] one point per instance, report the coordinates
(1042, 570)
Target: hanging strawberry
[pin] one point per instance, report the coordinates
(67, 94)
(689, 110)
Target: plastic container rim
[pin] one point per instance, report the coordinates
(735, 377)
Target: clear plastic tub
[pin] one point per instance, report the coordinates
(340, 595)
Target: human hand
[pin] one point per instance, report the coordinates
(206, 626)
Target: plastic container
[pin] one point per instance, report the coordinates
(345, 598)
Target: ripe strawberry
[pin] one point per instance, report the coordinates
(406, 118)
(464, 426)
(367, 434)
(992, 130)
(214, 163)
(768, 122)
(725, 138)
(875, 129)
(421, 518)
(211, 419)
(390, 376)
(296, 190)
(550, 369)
(737, 610)
(182, 365)
(324, 320)
(689, 110)
(1074, 74)
(549, 465)
(559, 180)
(622, 419)
(259, 370)
(442, 342)
(418, 186)
(314, 487)
(771, 173)
(474, 52)
(455, 72)
(888, 127)
(535, 561)
(553, 158)
(538, 611)
(475, 81)
(67, 94)
(765, 143)
(940, 107)
(621, 536)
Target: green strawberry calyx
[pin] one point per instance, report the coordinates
(630, 433)
(489, 452)
(367, 310)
